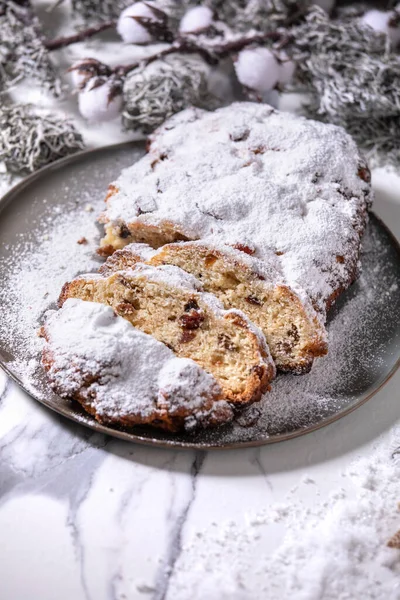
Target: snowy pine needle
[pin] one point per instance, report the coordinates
(162, 88)
(354, 80)
(263, 15)
(100, 9)
(29, 141)
(22, 53)
(348, 68)
(379, 139)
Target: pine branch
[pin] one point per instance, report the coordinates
(85, 34)
(211, 55)
(181, 44)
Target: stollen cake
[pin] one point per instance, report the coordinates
(167, 303)
(285, 187)
(293, 332)
(123, 376)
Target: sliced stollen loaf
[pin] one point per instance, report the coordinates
(123, 376)
(293, 331)
(248, 175)
(168, 303)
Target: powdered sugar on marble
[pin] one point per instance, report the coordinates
(335, 551)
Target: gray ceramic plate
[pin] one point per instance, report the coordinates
(364, 326)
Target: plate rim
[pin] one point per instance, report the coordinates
(56, 164)
(171, 443)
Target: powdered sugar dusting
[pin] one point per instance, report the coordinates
(357, 355)
(39, 261)
(168, 274)
(144, 251)
(39, 268)
(130, 373)
(336, 550)
(293, 187)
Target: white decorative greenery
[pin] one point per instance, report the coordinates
(30, 140)
(22, 53)
(345, 58)
(353, 77)
(156, 91)
(99, 9)
(262, 15)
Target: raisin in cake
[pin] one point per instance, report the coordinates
(123, 376)
(293, 332)
(250, 176)
(166, 302)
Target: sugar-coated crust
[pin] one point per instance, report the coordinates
(87, 356)
(295, 189)
(127, 257)
(220, 413)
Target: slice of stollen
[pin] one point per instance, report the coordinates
(123, 376)
(291, 326)
(167, 303)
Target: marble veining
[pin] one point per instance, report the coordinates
(179, 520)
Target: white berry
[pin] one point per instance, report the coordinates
(197, 19)
(257, 69)
(95, 104)
(129, 29)
(379, 21)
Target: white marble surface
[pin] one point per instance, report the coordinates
(84, 517)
